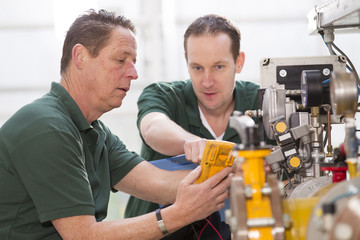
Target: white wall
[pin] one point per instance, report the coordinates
(31, 40)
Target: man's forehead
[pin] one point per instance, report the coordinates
(123, 41)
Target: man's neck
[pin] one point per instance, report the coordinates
(218, 119)
(81, 99)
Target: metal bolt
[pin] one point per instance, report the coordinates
(266, 190)
(248, 192)
(326, 71)
(283, 73)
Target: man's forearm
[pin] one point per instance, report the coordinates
(150, 183)
(142, 227)
(163, 135)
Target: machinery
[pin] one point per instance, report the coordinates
(311, 204)
(313, 191)
(256, 211)
(295, 112)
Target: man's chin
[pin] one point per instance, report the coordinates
(118, 105)
(210, 107)
(114, 106)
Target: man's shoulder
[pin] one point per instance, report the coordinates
(246, 85)
(41, 114)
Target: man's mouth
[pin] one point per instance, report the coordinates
(124, 89)
(209, 94)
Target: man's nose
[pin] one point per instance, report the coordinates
(207, 80)
(132, 72)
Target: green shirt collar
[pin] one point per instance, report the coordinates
(71, 106)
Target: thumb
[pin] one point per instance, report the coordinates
(192, 176)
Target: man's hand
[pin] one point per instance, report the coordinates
(194, 150)
(197, 201)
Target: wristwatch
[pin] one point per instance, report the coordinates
(161, 222)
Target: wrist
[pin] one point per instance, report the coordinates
(173, 218)
(161, 223)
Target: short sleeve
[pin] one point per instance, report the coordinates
(121, 160)
(54, 174)
(159, 97)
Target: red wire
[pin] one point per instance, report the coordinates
(208, 222)
(215, 229)
(201, 231)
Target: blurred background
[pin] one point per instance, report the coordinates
(32, 33)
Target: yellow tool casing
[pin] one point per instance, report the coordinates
(217, 155)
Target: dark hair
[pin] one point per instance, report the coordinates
(92, 29)
(213, 24)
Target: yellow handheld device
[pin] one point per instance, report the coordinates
(217, 155)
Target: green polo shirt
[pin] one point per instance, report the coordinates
(54, 164)
(178, 101)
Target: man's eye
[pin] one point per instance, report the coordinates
(197, 68)
(219, 67)
(121, 60)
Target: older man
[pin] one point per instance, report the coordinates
(58, 162)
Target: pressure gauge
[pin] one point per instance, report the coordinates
(344, 93)
(311, 88)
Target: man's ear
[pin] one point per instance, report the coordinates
(240, 62)
(78, 55)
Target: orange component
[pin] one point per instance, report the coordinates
(258, 206)
(217, 155)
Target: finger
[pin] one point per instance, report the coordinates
(202, 144)
(267, 169)
(189, 155)
(221, 198)
(220, 206)
(214, 180)
(187, 150)
(224, 185)
(194, 153)
(199, 154)
(192, 176)
(237, 165)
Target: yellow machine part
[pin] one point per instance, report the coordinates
(217, 156)
(299, 210)
(352, 165)
(259, 205)
(294, 162)
(280, 127)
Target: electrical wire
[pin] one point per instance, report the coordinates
(195, 232)
(331, 50)
(287, 175)
(212, 226)
(326, 81)
(214, 229)
(351, 68)
(349, 61)
(202, 229)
